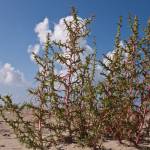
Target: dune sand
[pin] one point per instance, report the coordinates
(8, 141)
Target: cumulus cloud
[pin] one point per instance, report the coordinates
(33, 49)
(42, 29)
(10, 76)
(60, 33)
(110, 54)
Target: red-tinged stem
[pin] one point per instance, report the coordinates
(141, 127)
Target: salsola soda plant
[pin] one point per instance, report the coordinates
(76, 103)
(126, 88)
(32, 121)
(70, 105)
(64, 108)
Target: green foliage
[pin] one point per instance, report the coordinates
(126, 87)
(72, 107)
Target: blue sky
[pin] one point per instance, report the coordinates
(18, 19)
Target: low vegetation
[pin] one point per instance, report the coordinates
(89, 100)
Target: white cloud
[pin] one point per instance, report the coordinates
(60, 33)
(42, 29)
(110, 54)
(33, 49)
(10, 76)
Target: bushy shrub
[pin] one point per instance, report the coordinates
(126, 88)
(71, 106)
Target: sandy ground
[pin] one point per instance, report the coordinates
(8, 141)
